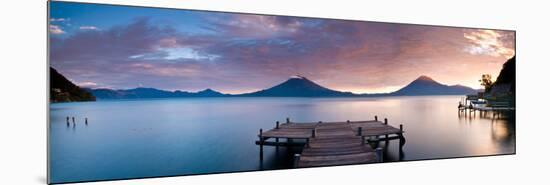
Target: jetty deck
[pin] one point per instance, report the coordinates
(473, 103)
(333, 143)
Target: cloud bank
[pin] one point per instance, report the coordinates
(241, 53)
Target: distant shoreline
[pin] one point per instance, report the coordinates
(253, 97)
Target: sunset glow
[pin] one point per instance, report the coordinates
(128, 47)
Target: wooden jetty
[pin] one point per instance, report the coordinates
(473, 103)
(333, 143)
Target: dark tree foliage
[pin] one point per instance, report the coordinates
(486, 81)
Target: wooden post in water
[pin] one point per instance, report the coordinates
(277, 139)
(401, 141)
(380, 154)
(261, 146)
(347, 121)
(386, 136)
(287, 120)
(277, 146)
(375, 118)
(68, 121)
(296, 159)
(312, 136)
(86, 121)
(359, 131)
(74, 122)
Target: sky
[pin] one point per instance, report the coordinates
(120, 47)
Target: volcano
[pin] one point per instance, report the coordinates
(298, 86)
(425, 85)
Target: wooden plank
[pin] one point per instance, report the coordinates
(288, 133)
(298, 125)
(287, 144)
(332, 143)
(336, 151)
(335, 144)
(314, 161)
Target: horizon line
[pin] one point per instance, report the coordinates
(256, 90)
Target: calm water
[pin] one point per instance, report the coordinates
(129, 139)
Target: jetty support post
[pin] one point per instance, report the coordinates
(261, 146)
(360, 131)
(277, 145)
(296, 159)
(375, 118)
(379, 155)
(312, 136)
(277, 139)
(386, 136)
(287, 120)
(401, 141)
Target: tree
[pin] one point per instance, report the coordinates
(486, 82)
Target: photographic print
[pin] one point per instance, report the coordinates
(139, 92)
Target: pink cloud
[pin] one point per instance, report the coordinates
(58, 19)
(87, 84)
(56, 30)
(488, 42)
(88, 28)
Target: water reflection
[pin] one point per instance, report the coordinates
(148, 138)
(502, 123)
(502, 127)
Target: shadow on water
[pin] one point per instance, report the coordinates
(388, 155)
(279, 158)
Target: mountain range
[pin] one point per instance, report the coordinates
(295, 86)
(142, 92)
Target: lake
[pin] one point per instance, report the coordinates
(166, 137)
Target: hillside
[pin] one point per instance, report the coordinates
(507, 75)
(63, 90)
